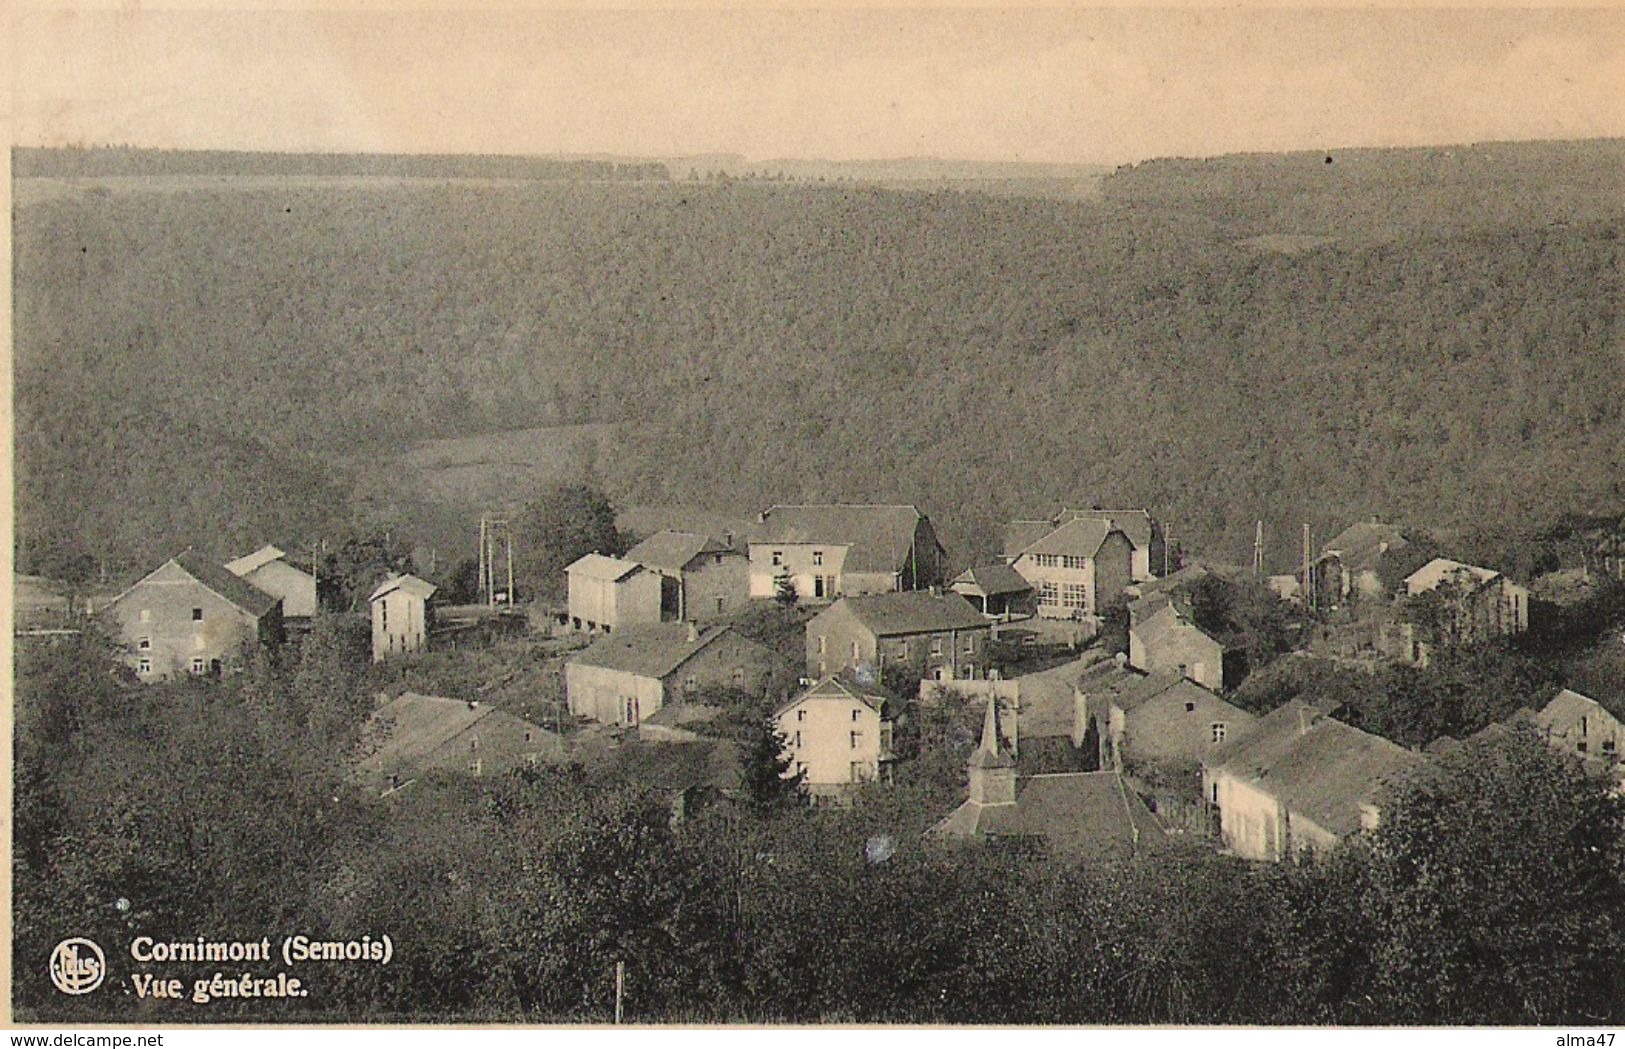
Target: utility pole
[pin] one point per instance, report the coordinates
(1258, 550)
(507, 535)
(620, 982)
(484, 565)
(1308, 572)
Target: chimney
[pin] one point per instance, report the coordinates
(1182, 673)
(1121, 659)
(728, 540)
(693, 632)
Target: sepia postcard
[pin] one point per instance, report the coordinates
(1057, 517)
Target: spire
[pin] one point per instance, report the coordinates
(992, 753)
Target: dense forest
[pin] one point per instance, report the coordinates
(1432, 334)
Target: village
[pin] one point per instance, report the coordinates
(1092, 670)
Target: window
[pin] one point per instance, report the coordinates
(855, 737)
(474, 744)
(801, 768)
(739, 677)
(474, 766)
(823, 645)
(798, 741)
(854, 651)
(144, 644)
(818, 557)
(146, 615)
(1075, 595)
(717, 559)
(1049, 594)
(801, 715)
(936, 646)
(383, 616)
(1215, 793)
(1190, 708)
(197, 615)
(197, 665)
(854, 713)
(527, 737)
(859, 772)
(818, 586)
(1218, 732)
(691, 684)
(1607, 746)
(143, 666)
(1584, 724)
(1581, 747)
(970, 644)
(902, 650)
(778, 557)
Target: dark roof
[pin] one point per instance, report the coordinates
(877, 538)
(1159, 626)
(843, 685)
(913, 612)
(1081, 537)
(420, 588)
(246, 596)
(1019, 535)
(1315, 765)
(1360, 545)
(652, 651)
(411, 727)
(666, 765)
(601, 567)
(1136, 524)
(673, 550)
(998, 578)
(1046, 701)
(1090, 815)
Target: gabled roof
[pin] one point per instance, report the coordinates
(1361, 545)
(602, 569)
(652, 651)
(1081, 537)
(1565, 707)
(672, 550)
(1316, 766)
(1166, 622)
(258, 559)
(411, 584)
(412, 726)
(992, 752)
(1136, 524)
(1076, 814)
(843, 685)
(1439, 569)
(249, 598)
(998, 578)
(912, 612)
(877, 538)
(1019, 535)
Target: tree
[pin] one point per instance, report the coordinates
(561, 525)
(1497, 888)
(360, 562)
(766, 763)
(784, 590)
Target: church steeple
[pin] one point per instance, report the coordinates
(992, 766)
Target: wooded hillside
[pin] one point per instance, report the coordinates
(1434, 335)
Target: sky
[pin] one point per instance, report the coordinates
(1107, 85)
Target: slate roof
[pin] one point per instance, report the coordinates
(1566, 706)
(601, 568)
(1136, 524)
(652, 651)
(913, 612)
(245, 596)
(1439, 569)
(411, 727)
(877, 538)
(1046, 702)
(1360, 545)
(1019, 535)
(1315, 766)
(672, 551)
(842, 686)
(998, 578)
(258, 559)
(1080, 815)
(420, 588)
(1077, 538)
(1165, 622)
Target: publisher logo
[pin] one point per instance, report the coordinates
(77, 966)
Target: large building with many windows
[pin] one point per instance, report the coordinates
(1075, 568)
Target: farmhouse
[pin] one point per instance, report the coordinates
(609, 593)
(1449, 603)
(268, 569)
(190, 616)
(701, 578)
(1579, 725)
(1077, 815)
(414, 734)
(1162, 637)
(1076, 568)
(932, 635)
(830, 551)
(1300, 781)
(402, 616)
(627, 676)
(838, 732)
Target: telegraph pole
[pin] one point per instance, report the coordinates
(1258, 550)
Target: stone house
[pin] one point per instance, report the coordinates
(838, 732)
(1162, 637)
(1579, 725)
(189, 616)
(412, 735)
(931, 635)
(1449, 603)
(1346, 567)
(701, 578)
(1076, 568)
(609, 593)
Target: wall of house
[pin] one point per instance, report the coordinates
(1594, 734)
(730, 661)
(1053, 603)
(597, 604)
(715, 586)
(816, 569)
(613, 697)
(1162, 731)
(400, 624)
(924, 568)
(1113, 571)
(159, 612)
(835, 741)
(835, 639)
(1252, 824)
(1188, 647)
